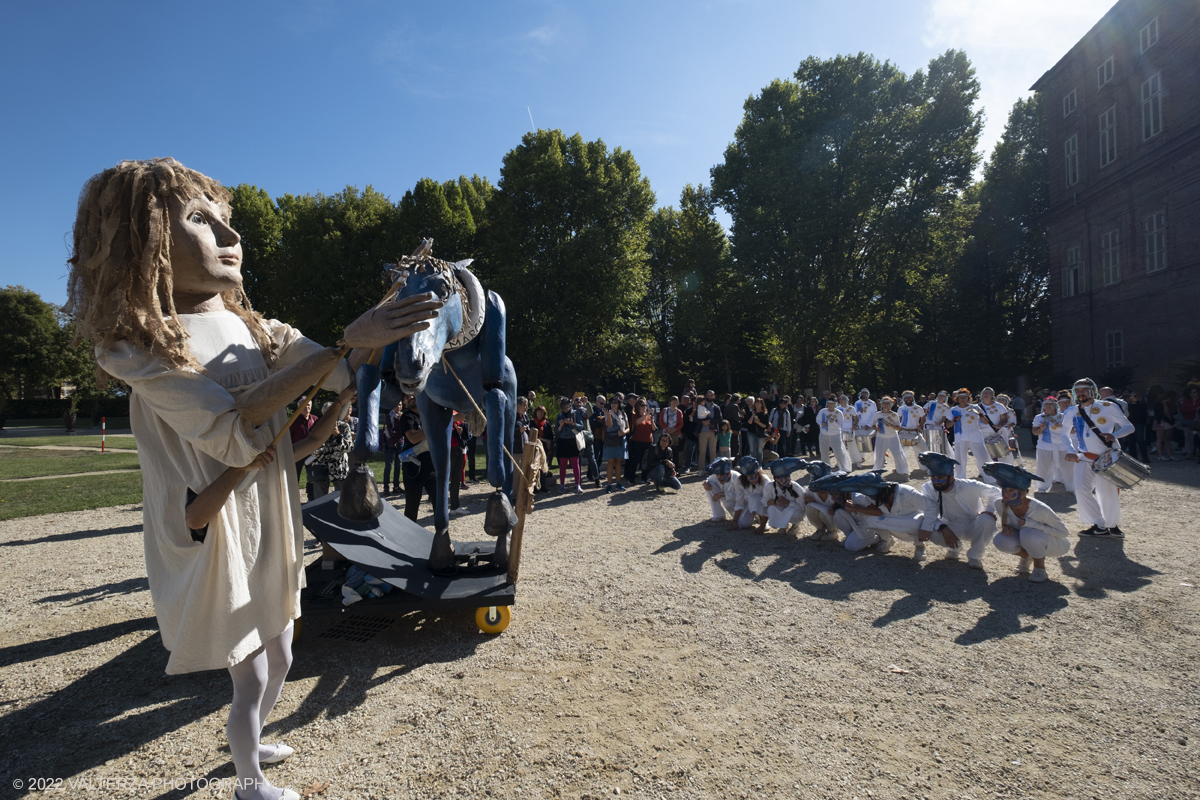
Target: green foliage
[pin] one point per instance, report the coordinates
(30, 343)
(843, 185)
(999, 285)
(695, 305)
(567, 252)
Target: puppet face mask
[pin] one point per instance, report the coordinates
(206, 254)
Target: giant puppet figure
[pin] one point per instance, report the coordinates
(156, 285)
(457, 364)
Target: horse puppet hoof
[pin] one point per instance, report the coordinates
(441, 554)
(360, 500)
(500, 518)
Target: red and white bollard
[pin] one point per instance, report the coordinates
(102, 422)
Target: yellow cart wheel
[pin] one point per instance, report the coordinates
(492, 619)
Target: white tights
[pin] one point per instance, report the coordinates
(257, 684)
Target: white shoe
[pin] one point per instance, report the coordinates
(457, 512)
(919, 553)
(831, 536)
(1024, 565)
(719, 519)
(1038, 575)
(952, 554)
(282, 752)
(975, 563)
(817, 535)
(884, 546)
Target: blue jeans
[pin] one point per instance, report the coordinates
(658, 476)
(689, 452)
(391, 459)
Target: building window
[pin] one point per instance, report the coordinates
(1110, 257)
(1149, 35)
(1156, 241)
(1069, 103)
(1115, 341)
(1108, 137)
(1152, 106)
(1071, 151)
(1104, 73)
(1072, 274)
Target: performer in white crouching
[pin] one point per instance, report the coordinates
(783, 496)
(746, 491)
(829, 421)
(820, 506)
(896, 512)
(1050, 461)
(1028, 527)
(957, 509)
(716, 486)
(1095, 426)
(887, 438)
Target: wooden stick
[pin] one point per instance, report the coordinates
(309, 394)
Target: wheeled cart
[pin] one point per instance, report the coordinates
(395, 549)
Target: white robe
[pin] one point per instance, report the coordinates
(792, 513)
(220, 600)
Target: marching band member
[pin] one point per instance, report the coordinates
(819, 504)
(993, 420)
(1094, 427)
(1028, 527)
(849, 421)
(866, 409)
(1062, 443)
(896, 511)
(1009, 429)
(829, 422)
(746, 491)
(783, 496)
(936, 412)
(719, 472)
(912, 418)
(957, 509)
(964, 418)
(1046, 425)
(887, 438)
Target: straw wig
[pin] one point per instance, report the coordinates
(120, 286)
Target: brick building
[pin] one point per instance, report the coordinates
(1123, 223)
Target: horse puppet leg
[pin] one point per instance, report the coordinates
(435, 420)
(501, 420)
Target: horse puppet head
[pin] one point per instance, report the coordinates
(417, 355)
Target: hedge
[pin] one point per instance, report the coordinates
(45, 408)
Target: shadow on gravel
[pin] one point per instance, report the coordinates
(1101, 566)
(74, 536)
(108, 712)
(346, 672)
(827, 571)
(101, 592)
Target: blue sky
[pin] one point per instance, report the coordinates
(311, 96)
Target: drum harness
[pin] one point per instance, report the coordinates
(1086, 418)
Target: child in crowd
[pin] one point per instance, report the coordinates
(725, 440)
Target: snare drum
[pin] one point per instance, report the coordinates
(939, 442)
(864, 438)
(1120, 469)
(910, 438)
(996, 446)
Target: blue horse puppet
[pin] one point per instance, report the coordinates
(469, 334)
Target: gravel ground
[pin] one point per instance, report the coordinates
(651, 654)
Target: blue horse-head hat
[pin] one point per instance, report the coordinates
(786, 466)
(818, 469)
(936, 464)
(869, 483)
(721, 466)
(748, 465)
(824, 483)
(1010, 476)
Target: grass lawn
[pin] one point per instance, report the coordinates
(112, 443)
(27, 498)
(27, 463)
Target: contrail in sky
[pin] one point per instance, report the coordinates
(532, 127)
